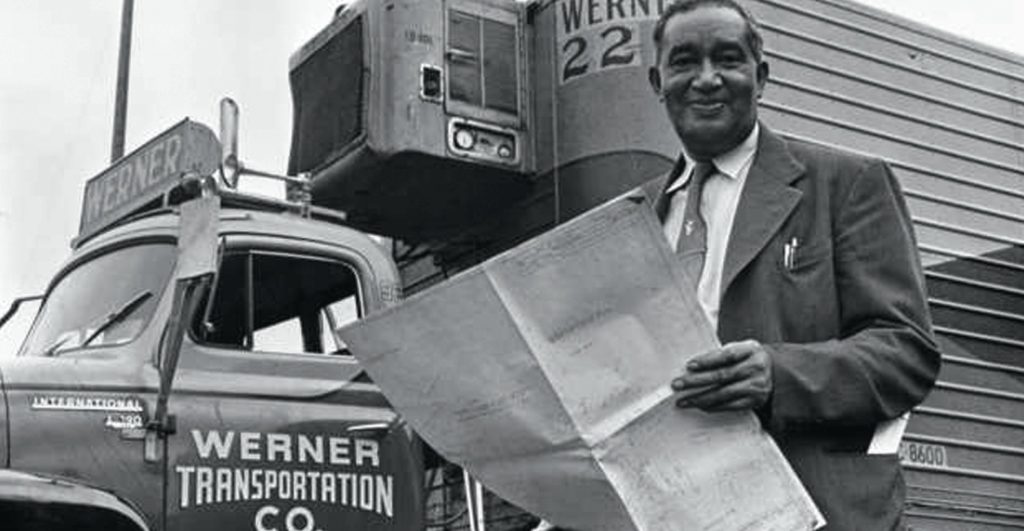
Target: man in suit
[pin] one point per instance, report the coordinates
(803, 258)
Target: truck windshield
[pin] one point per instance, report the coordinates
(105, 301)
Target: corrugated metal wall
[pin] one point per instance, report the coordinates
(949, 116)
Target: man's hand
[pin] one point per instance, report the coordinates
(736, 376)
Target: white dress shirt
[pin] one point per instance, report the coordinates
(718, 207)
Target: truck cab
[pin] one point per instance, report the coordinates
(270, 423)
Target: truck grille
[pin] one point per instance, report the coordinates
(327, 92)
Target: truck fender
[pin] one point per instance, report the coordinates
(35, 501)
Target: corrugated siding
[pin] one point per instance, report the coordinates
(948, 116)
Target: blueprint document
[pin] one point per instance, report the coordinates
(545, 372)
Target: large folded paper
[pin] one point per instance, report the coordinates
(545, 372)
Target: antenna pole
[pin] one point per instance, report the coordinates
(121, 96)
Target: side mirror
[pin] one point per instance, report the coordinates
(230, 164)
(299, 188)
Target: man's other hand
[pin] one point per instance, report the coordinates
(734, 377)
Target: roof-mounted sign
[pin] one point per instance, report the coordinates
(147, 173)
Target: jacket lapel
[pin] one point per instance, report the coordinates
(661, 201)
(765, 202)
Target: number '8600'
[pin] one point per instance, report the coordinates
(923, 454)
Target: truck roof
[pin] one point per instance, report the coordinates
(244, 215)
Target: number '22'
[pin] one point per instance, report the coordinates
(613, 38)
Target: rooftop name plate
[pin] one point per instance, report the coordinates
(147, 173)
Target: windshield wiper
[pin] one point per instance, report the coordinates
(52, 349)
(118, 315)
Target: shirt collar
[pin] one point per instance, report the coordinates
(729, 163)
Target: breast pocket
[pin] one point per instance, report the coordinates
(808, 292)
(797, 260)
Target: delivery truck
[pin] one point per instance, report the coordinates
(152, 395)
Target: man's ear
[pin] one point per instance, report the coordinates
(762, 76)
(654, 77)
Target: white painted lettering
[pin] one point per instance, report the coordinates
(339, 451)
(241, 484)
(270, 480)
(298, 485)
(249, 442)
(311, 450)
(185, 473)
(140, 180)
(93, 203)
(141, 168)
(204, 485)
(343, 488)
(156, 162)
(124, 182)
(279, 444)
(301, 514)
(213, 441)
(261, 516)
(257, 482)
(171, 151)
(366, 493)
(385, 495)
(284, 485)
(223, 485)
(367, 449)
(313, 484)
(109, 189)
(329, 494)
(201, 485)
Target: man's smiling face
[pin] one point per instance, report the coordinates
(710, 79)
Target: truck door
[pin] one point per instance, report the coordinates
(82, 386)
(277, 427)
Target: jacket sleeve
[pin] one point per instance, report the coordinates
(885, 359)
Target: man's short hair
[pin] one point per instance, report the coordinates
(754, 39)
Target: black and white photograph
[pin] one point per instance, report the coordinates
(512, 265)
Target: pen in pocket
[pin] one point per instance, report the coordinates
(789, 253)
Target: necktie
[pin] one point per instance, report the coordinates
(693, 238)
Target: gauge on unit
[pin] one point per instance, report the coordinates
(464, 139)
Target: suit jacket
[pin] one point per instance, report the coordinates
(847, 326)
